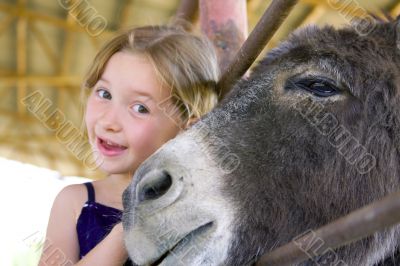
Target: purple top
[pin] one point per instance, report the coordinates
(95, 223)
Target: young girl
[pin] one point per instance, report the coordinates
(143, 88)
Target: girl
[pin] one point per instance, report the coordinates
(142, 89)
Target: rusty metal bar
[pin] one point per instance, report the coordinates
(269, 23)
(187, 10)
(350, 228)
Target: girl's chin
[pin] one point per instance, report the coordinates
(113, 169)
(114, 165)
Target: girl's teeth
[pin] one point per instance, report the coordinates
(112, 144)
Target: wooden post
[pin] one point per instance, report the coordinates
(21, 57)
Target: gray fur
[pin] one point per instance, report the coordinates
(290, 178)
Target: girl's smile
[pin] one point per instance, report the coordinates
(143, 87)
(109, 148)
(124, 121)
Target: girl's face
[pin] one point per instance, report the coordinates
(129, 114)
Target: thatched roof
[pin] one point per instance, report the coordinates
(46, 47)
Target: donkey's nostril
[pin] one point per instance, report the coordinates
(155, 187)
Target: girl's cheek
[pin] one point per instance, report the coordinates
(90, 116)
(92, 107)
(147, 131)
(145, 135)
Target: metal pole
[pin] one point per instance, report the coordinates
(273, 17)
(350, 228)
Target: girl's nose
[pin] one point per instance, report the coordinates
(110, 120)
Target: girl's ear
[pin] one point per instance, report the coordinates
(190, 122)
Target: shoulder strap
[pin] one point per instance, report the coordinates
(90, 189)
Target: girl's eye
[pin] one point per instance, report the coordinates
(102, 93)
(140, 108)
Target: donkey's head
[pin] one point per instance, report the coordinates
(309, 137)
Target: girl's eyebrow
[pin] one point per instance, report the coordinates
(143, 93)
(139, 92)
(104, 80)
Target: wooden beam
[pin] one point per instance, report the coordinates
(45, 46)
(314, 2)
(21, 57)
(28, 120)
(347, 8)
(253, 5)
(46, 142)
(396, 10)
(38, 16)
(6, 22)
(69, 40)
(316, 13)
(42, 139)
(51, 155)
(16, 116)
(31, 80)
(32, 15)
(6, 92)
(7, 72)
(6, 125)
(125, 13)
(20, 148)
(65, 63)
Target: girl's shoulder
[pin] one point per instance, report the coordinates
(71, 197)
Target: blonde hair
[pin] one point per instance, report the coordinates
(184, 62)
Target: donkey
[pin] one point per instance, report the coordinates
(310, 136)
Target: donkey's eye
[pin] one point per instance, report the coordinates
(320, 87)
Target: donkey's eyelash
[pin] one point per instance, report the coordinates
(318, 86)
